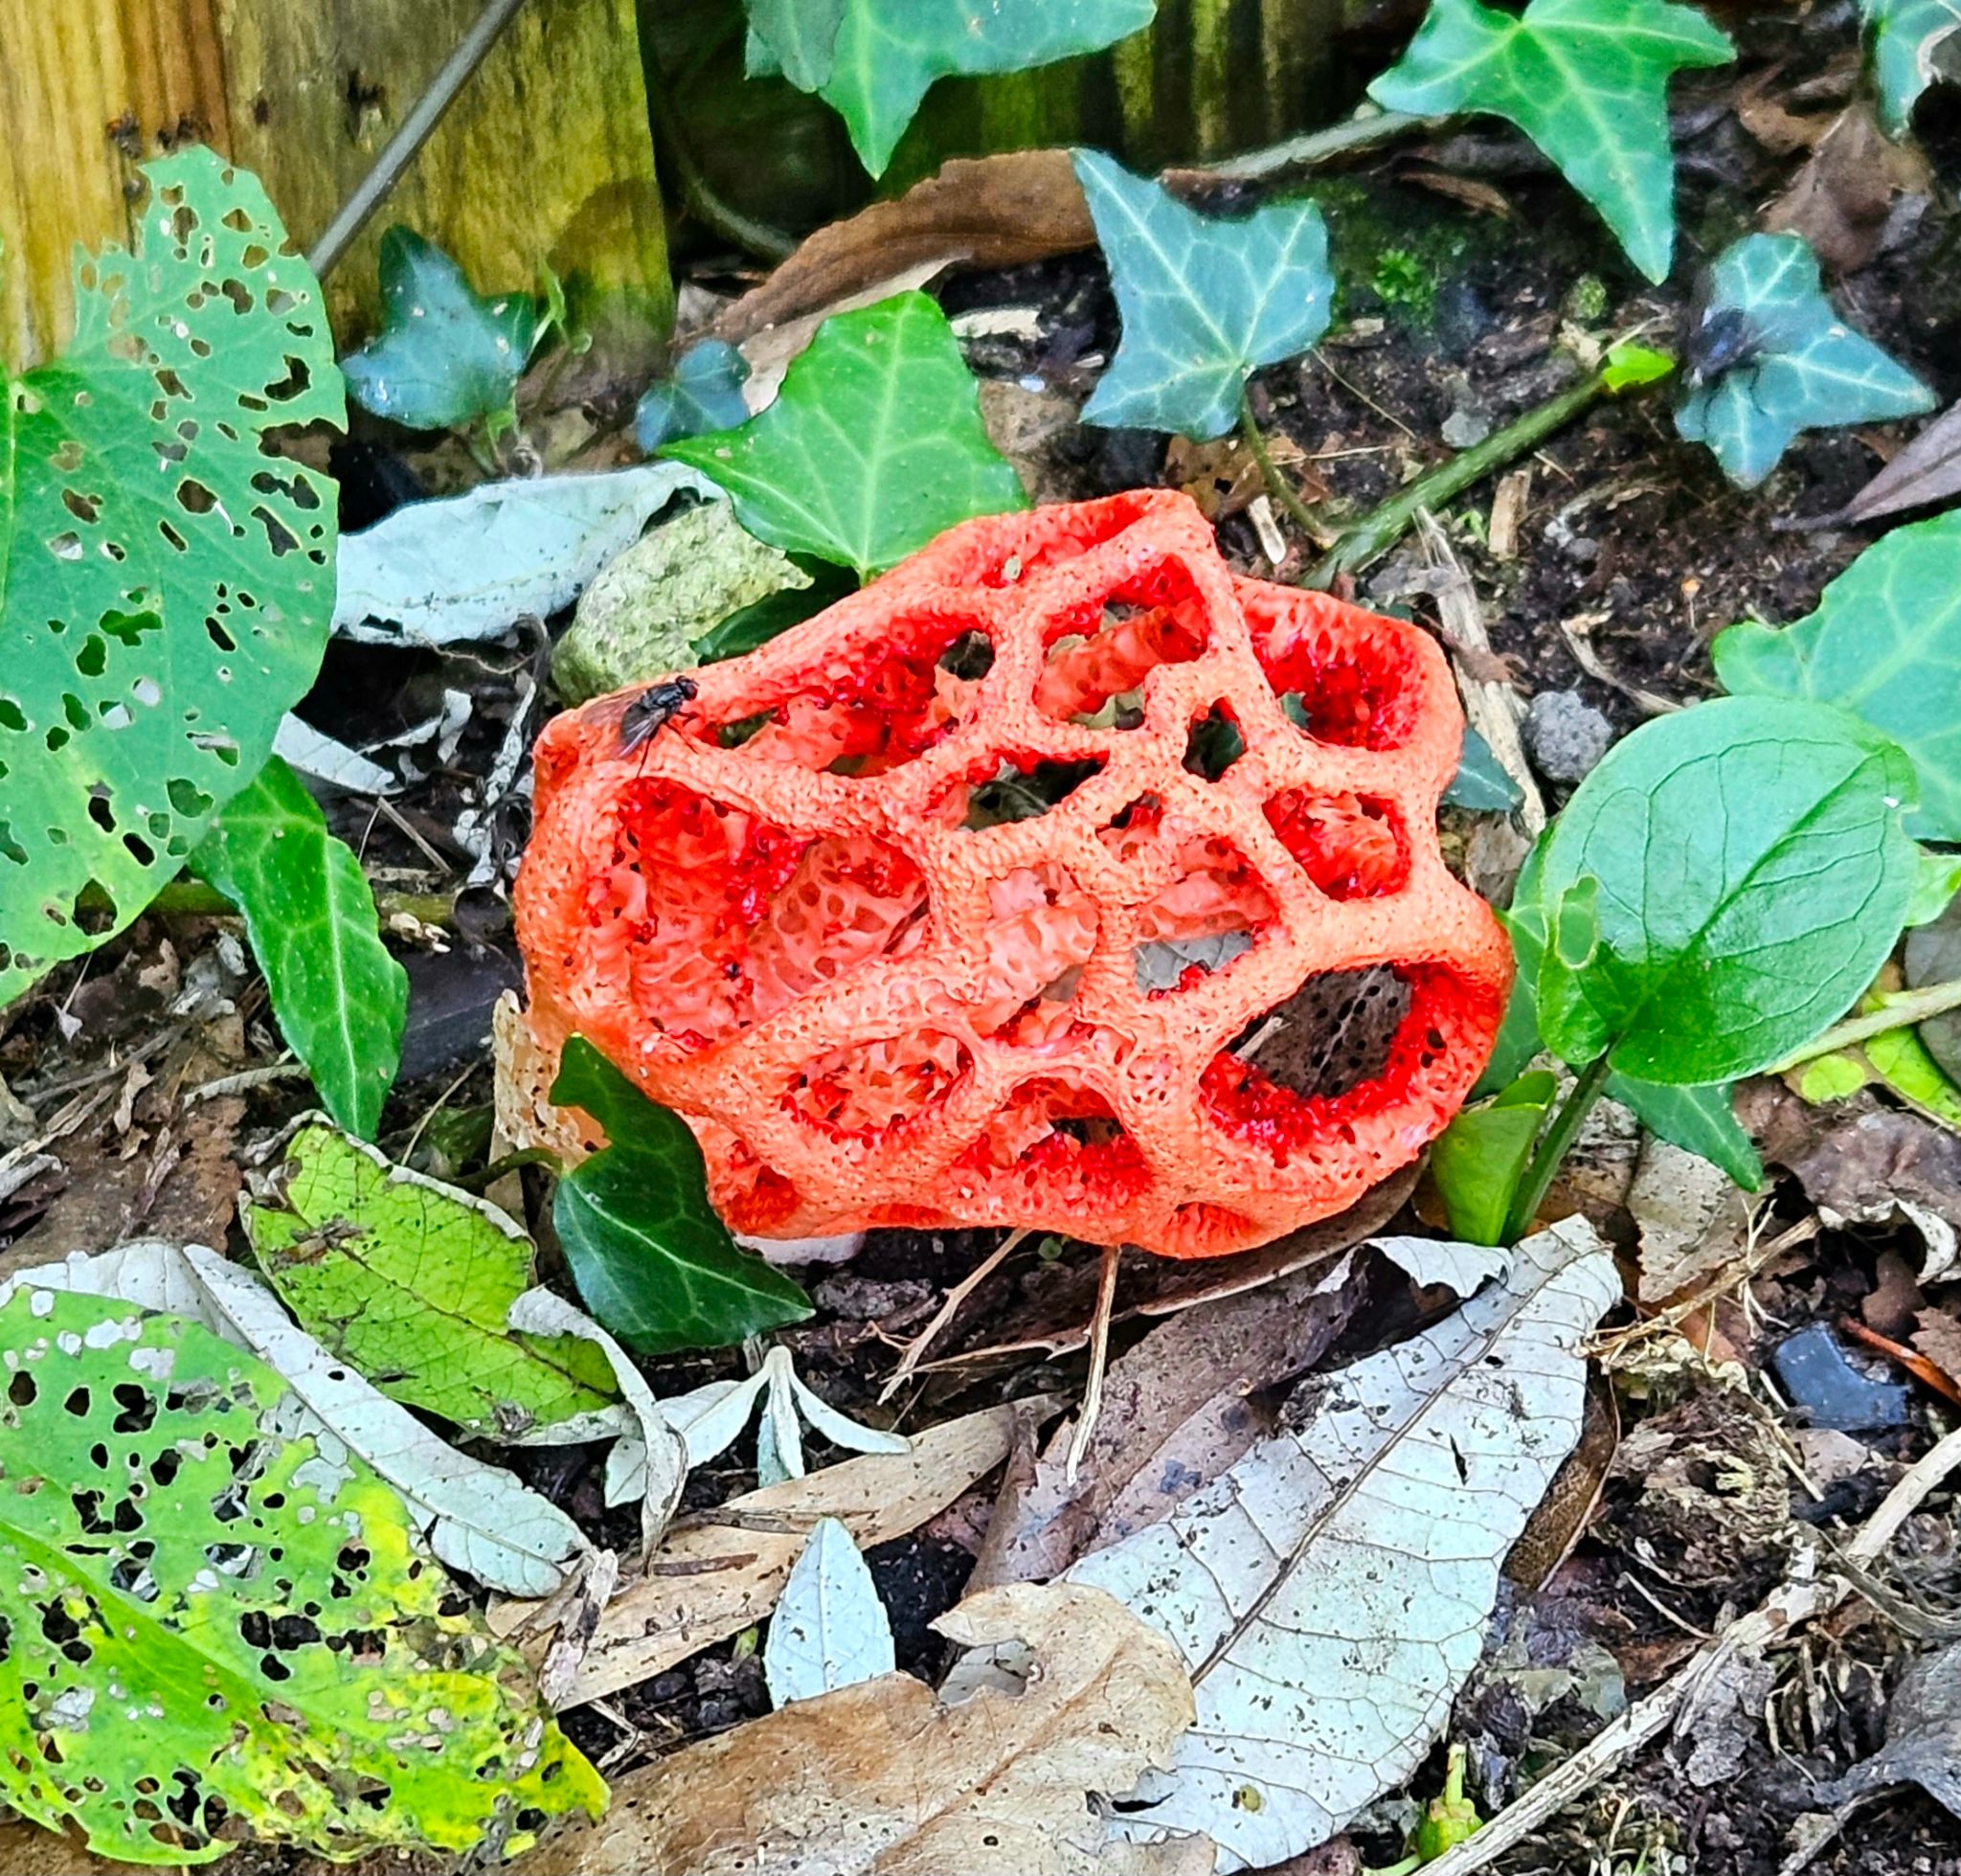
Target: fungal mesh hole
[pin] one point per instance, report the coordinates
(1335, 1033)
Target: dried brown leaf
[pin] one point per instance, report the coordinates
(989, 212)
(1926, 472)
(1838, 200)
(889, 1778)
(1856, 1159)
(720, 1571)
(1937, 1334)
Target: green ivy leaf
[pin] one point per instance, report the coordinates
(1205, 300)
(412, 1284)
(1483, 783)
(1479, 1158)
(651, 1259)
(703, 392)
(750, 627)
(1585, 79)
(445, 354)
(872, 61)
(1796, 365)
(165, 585)
(249, 1628)
(341, 1000)
(1886, 645)
(1906, 35)
(874, 445)
(1749, 875)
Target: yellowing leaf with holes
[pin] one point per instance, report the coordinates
(222, 1624)
(165, 583)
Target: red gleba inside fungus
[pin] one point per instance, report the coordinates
(968, 901)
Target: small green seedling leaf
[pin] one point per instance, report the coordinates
(1205, 300)
(341, 1001)
(872, 61)
(1481, 1156)
(1585, 79)
(1628, 366)
(829, 1629)
(1907, 39)
(872, 447)
(446, 355)
(1483, 783)
(225, 1622)
(703, 392)
(412, 1282)
(165, 585)
(1780, 360)
(1750, 874)
(651, 1259)
(1886, 645)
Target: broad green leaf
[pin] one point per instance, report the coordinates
(1483, 783)
(703, 392)
(1205, 300)
(1886, 645)
(1585, 79)
(340, 999)
(1478, 1160)
(1792, 364)
(165, 585)
(872, 61)
(213, 1619)
(1907, 39)
(412, 1284)
(1750, 874)
(445, 354)
(872, 447)
(652, 1262)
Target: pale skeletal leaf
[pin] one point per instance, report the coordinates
(1329, 1593)
(830, 1630)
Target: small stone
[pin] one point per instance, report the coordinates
(1564, 735)
(1466, 429)
(1828, 1391)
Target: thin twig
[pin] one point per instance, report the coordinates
(1099, 1362)
(947, 1310)
(1356, 133)
(1901, 1009)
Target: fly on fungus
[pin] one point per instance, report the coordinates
(1059, 878)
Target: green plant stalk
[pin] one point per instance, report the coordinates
(1269, 471)
(191, 898)
(1901, 1009)
(1380, 529)
(1355, 133)
(1553, 1146)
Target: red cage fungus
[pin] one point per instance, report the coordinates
(968, 901)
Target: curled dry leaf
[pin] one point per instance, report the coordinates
(888, 1777)
(720, 1571)
(1839, 200)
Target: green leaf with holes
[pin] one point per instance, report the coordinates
(1585, 79)
(165, 583)
(652, 1262)
(1720, 888)
(1886, 645)
(872, 447)
(412, 1282)
(447, 354)
(341, 1001)
(872, 61)
(1910, 52)
(1793, 363)
(215, 1624)
(1205, 300)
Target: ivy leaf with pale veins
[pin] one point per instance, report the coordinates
(651, 1259)
(1908, 41)
(872, 61)
(412, 1282)
(1886, 645)
(1791, 365)
(445, 354)
(874, 445)
(1585, 79)
(341, 1001)
(166, 584)
(704, 392)
(1742, 873)
(1205, 300)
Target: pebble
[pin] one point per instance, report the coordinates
(1564, 735)
(1466, 429)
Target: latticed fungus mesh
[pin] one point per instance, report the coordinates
(1006, 892)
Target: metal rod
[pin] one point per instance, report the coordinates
(413, 133)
